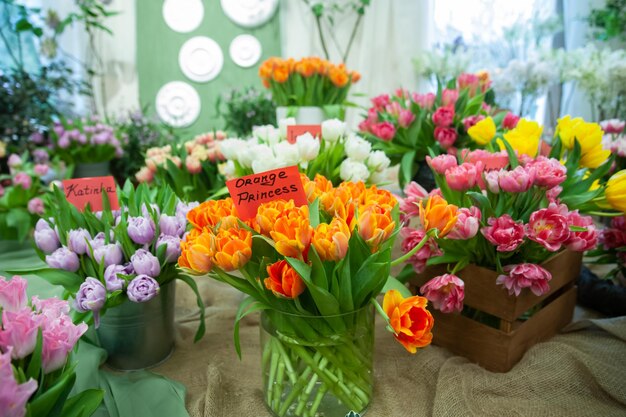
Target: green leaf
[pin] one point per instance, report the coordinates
(192, 284)
(394, 284)
(20, 219)
(482, 202)
(34, 366)
(511, 152)
(248, 306)
(324, 300)
(68, 280)
(314, 213)
(406, 168)
(83, 404)
(50, 403)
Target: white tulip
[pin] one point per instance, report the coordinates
(267, 164)
(333, 129)
(227, 169)
(230, 148)
(378, 161)
(288, 152)
(268, 134)
(357, 148)
(282, 126)
(308, 147)
(254, 152)
(354, 171)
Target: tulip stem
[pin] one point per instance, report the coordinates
(430, 233)
(605, 214)
(383, 315)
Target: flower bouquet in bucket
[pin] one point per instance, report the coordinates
(37, 372)
(314, 271)
(122, 263)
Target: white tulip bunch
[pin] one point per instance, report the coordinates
(338, 155)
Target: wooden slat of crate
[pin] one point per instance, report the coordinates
(494, 349)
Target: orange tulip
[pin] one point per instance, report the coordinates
(438, 214)
(229, 222)
(375, 225)
(357, 190)
(338, 76)
(314, 189)
(382, 198)
(283, 280)
(292, 232)
(331, 240)
(355, 77)
(197, 254)
(232, 248)
(409, 319)
(209, 213)
(280, 74)
(305, 67)
(268, 212)
(338, 203)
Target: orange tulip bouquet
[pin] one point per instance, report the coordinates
(314, 272)
(308, 82)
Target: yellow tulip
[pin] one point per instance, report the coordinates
(589, 135)
(524, 138)
(595, 157)
(616, 191)
(483, 131)
(565, 130)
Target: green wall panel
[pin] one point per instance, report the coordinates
(157, 57)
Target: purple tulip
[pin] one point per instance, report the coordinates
(146, 212)
(46, 239)
(173, 247)
(41, 156)
(142, 288)
(13, 396)
(172, 225)
(110, 254)
(36, 137)
(97, 242)
(112, 281)
(141, 229)
(91, 296)
(77, 241)
(64, 141)
(63, 258)
(182, 209)
(145, 263)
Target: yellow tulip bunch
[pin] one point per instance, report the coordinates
(588, 135)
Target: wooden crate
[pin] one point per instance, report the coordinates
(498, 350)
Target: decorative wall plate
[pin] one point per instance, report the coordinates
(245, 50)
(183, 15)
(249, 13)
(178, 104)
(201, 59)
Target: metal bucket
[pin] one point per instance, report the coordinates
(139, 335)
(87, 170)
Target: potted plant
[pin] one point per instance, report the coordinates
(242, 110)
(120, 268)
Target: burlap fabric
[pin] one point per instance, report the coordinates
(581, 372)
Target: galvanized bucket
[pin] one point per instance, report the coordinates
(139, 335)
(96, 169)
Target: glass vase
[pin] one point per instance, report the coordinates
(317, 366)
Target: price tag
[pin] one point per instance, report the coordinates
(249, 192)
(293, 131)
(83, 191)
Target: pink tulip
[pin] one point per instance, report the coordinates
(405, 118)
(59, 338)
(20, 331)
(492, 181)
(41, 169)
(504, 233)
(510, 121)
(384, 130)
(413, 189)
(446, 136)
(414, 193)
(441, 163)
(402, 93)
(469, 81)
(449, 97)
(491, 160)
(553, 194)
(619, 223)
(548, 227)
(461, 177)
(13, 396)
(467, 224)
(22, 179)
(446, 292)
(411, 238)
(393, 108)
(364, 126)
(13, 293)
(193, 165)
(613, 126)
(381, 101)
(581, 241)
(145, 174)
(518, 180)
(443, 116)
(549, 172)
(425, 101)
(35, 206)
(525, 276)
(612, 238)
(470, 121)
(51, 308)
(14, 161)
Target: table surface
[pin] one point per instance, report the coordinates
(580, 372)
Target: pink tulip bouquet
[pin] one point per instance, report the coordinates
(36, 368)
(104, 258)
(21, 192)
(509, 220)
(408, 126)
(190, 169)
